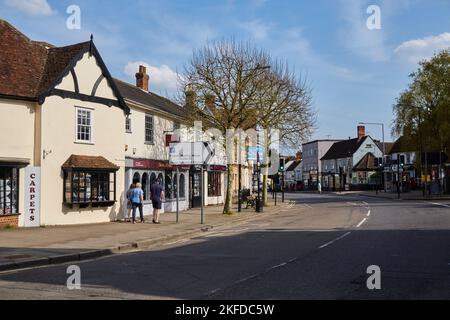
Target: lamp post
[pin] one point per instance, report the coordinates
(258, 67)
(384, 147)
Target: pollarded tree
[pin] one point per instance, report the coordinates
(222, 81)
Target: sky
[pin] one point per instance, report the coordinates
(355, 72)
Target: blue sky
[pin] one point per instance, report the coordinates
(355, 73)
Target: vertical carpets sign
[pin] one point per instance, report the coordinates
(32, 196)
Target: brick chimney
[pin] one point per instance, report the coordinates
(190, 97)
(361, 132)
(142, 78)
(210, 101)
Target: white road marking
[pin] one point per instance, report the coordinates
(278, 266)
(352, 203)
(361, 223)
(307, 205)
(225, 232)
(335, 240)
(440, 204)
(365, 203)
(368, 213)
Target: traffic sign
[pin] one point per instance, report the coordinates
(252, 153)
(191, 153)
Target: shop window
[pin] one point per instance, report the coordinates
(168, 186)
(182, 186)
(145, 186)
(136, 178)
(89, 187)
(9, 191)
(214, 184)
(152, 178)
(175, 181)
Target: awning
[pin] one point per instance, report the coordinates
(14, 162)
(89, 163)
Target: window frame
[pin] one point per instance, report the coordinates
(14, 176)
(91, 125)
(152, 129)
(128, 126)
(68, 180)
(214, 184)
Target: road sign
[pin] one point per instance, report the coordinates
(252, 153)
(191, 153)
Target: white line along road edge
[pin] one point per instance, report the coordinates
(335, 240)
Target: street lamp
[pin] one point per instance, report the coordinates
(258, 67)
(384, 147)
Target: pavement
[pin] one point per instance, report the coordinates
(314, 247)
(31, 247)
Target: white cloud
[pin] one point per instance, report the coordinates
(31, 7)
(258, 30)
(163, 77)
(415, 50)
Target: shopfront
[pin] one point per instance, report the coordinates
(146, 172)
(214, 185)
(10, 207)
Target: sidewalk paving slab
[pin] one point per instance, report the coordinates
(33, 247)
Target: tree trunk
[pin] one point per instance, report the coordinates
(265, 198)
(229, 196)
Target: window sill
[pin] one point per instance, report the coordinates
(84, 142)
(10, 215)
(95, 204)
(149, 143)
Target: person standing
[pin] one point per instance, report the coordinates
(137, 200)
(319, 186)
(157, 195)
(129, 203)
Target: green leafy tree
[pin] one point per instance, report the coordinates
(422, 114)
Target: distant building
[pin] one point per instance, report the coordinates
(293, 173)
(312, 152)
(415, 171)
(352, 163)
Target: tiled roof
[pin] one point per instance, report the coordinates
(28, 68)
(367, 163)
(89, 162)
(131, 92)
(401, 146)
(343, 149)
(388, 146)
(293, 165)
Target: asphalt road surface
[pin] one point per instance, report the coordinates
(318, 248)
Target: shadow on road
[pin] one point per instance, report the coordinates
(282, 264)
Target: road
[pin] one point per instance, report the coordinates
(318, 248)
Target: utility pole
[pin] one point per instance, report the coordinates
(398, 175)
(178, 194)
(202, 188)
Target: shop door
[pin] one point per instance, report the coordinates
(196, 193)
